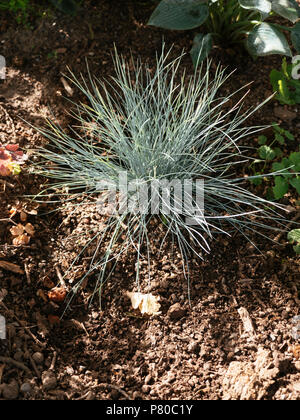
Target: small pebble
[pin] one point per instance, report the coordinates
(176, 311)
(26, 388)
(38, 358)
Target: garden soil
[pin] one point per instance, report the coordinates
(227, 334)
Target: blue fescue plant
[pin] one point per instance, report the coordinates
(157, 124)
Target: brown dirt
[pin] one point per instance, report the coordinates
(190, 351)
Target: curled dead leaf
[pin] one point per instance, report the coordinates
(146, 303)
(21, 240)
(296, 352)
(17, 230)
(29, 229)
(58, 294)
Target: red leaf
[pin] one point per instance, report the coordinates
(12, 147)
(4, 171)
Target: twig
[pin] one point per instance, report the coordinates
(2, 367)
(37, 341)
(27, 273)
(4, 182)
(15, 363)
(37, 372)
(52, 366)
(106, 385)
(60, 277)
(294, 219)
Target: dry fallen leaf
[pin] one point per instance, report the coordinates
(21, 240)
(23, 216)
(17, 230)
(11, 267)
(58, 294)
(147, 303)
(296, 352)
(29, 229)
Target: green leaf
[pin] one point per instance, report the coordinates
(279, 138)
(295, 36)
(266, 153)
(262, 6)
(295, 182)
(281, 187)
(69, 7)
(279, 84)
(179, 14)
(256, 181)
(201, 48)
(287, 9)
(277, 166)
(288, 135)
(294, 159)
(297, 249)
(262, 139)
(275, 125)
(265, 39)
(294, 236)
(278, 152)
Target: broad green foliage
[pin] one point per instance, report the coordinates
(232, 22)
(23, 8)
(294, 238)
(69, 7)
(284, 170)
(287, 88)
(19, 8)
(156, 130)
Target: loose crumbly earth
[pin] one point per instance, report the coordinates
(192, 350)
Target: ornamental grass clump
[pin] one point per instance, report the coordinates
(153, 147)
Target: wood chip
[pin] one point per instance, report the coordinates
(11, 267)
(67, 87)
(247, 322)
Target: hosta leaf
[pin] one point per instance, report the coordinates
(262, 6)
(266, 153)
(265, 39)
(281, 187)
(179, 14)
(201, 47)
(287, 9)
(295, 182)
(295, 36)
(69, 7)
